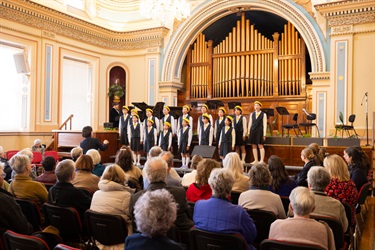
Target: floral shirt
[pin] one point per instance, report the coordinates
(344, 191)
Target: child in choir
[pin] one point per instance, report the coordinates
(168, 118)
(123, 126)
(200, 119)
(185, 136)
(135, 137)
(257, 132)
(185, 114)
(150, 138)
(206, 133)
(240, 126)
(165, 139)
(155, 119)
(219, 124)
(227, 140)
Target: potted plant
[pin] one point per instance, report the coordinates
(116, 90)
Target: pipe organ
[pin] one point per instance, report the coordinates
(247, 64)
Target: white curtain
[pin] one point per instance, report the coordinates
(11, 92)
(76, 93)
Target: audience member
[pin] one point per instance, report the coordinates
(38, 147)
(217, 214)
(301, 228)
(84, 178)
(29, 154)
(97, 161)
(358, 164)
(281, 183)
(154, 212)
(156, 169)
(258, 197)
(91, 143)
(155, 151)
(341, 187)
(76, 153)
(113, 197)
(23, 186)
(124, 159)
(201, 190)
(189, 178)
(6, 167)
(3, 183)
(318, 179)
(318, 158)
(63, 193)
(48, 175)
(307, 156)
(233, 163)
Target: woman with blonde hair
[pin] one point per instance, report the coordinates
(113, 196)
(84, 177)
(341, 187)
(97, 161)
(233, 163)
(307, 156)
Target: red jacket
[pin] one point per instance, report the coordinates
(195, 193)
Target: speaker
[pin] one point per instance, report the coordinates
(204, 151)
(22, 67)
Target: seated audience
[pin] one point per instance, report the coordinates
(189, 178)
(30, 155)
(258, 197)
(124, 159)
(3, 183)
(84, 178)
(23, 186)
(200, 189)
(217, 214)
(156, 169)
(76, 153)
(233, 163)
(318, 157)
(301, 228)
(307, 156)
(358, 164)
(281, 183)
(154, 212)
(91, 143)
(48, 176)
(6, 167)
(318, 179)
(96, 160)
(113, 196)
(38, 147)
(341, 187)
(63, 193)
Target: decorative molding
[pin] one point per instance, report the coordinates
(53, 23)
(319, 76)
(170, 85)
(342, 30)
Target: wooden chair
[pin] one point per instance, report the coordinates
(203, 240)
(270, 244)
(15, 241)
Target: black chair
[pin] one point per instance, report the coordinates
(262, 220)
(15, 241)
(66, 219)
(191, 208)
(335, 226)
(293, 126)
(65, 247)
(285, 200)
(287, 245)
(362, 195)
(173, 233)
(203, 240)
(234, 196)
(348, 235)
(31, 211)
(309, 124)
(108, 229)
(347, 128)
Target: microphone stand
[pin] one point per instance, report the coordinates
(366, 95)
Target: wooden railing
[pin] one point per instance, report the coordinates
(65, 124)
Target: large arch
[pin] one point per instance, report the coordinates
(210, 11)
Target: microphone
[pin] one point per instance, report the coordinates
(364, 98)
(304, 110)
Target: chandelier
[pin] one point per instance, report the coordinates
(164, 10)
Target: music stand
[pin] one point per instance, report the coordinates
(158, 110)
(214, 104)
(142, 106)
(282, 111)
(176, 112)
(269, 112)
(231, 105)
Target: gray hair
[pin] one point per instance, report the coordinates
(64, 170)
(221, 182)
(168, 157)
(318, 178)
(156, 169)
(19, 163)
(260, 175)
(155, 212)
(155, 151)
(233, 163)
(76, 153)
(302, 201)
(94, 153)
(27, 152)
